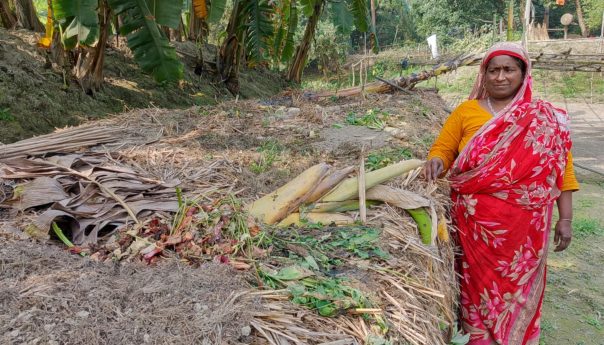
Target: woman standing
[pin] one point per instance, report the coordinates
(509, 160)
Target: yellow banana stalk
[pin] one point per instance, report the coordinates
(329, 182)
(443, 232)
(275, 206)
(323, 218)
(349, 188)
(47, 39)
(339, 206)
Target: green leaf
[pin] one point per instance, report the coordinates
(259, 27)
(341, 16)
(310, 260)
(166, 12)
(151, 48)
(326, 308)
(292, 25)
(358, 8)
(292, 273)
(308, 7)
(216, 10)
(78, 19)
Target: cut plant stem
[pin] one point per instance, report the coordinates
(57, 230)
(362, 205)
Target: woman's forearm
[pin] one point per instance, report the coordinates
(565, 205)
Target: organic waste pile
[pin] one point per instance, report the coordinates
(345, 252)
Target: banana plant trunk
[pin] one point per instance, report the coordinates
(581, 20)
(294, 72)
(88, 69)
(27, 17)
(231, 51)
(7, 17)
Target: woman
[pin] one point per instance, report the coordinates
(509, 160)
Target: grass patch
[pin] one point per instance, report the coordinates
(383, 157)
(373, 118)
(584, 227)
(594, 321)
(6, 116)
(270, 151)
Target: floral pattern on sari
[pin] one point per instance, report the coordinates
(504, 185)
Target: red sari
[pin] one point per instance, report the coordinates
(504, 184)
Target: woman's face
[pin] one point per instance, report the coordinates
(503, 77)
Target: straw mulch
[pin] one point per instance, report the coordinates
(209, 150)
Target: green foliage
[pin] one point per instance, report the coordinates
(292, 24)
(358, 8)
(259, 28)
(324, 248)
(381, 158)
(308, 6)
(6, 116)
(78, 21)
(216, 10)
(450, 18)
(341, 16)
(270, 151)
(330, 47)
(583, 227)
(373, 118)
(150, 46)
(593, 10)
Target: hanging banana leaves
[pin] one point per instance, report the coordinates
(358, 9)
(216, 10)
(288, 48)
(341, 16)
(78, 21)
(259, 28)
(151, 48)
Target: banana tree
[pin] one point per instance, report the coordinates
(7, 17)
(27, 17)
(248, 34)
(344, 12)
(19, 13)
(285, 25)
(84, 25)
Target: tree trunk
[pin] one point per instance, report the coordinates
(8, 18)
(27, 17)
(546, 17)
(584, 30)
(198, 28)
(89, 65)
(294, 72)
(231, 50)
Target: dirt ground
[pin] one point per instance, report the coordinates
(245, 148)
(49, 296)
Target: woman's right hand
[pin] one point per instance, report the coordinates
(432, 169)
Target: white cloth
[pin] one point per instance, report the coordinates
(433, 47)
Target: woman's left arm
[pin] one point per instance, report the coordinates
(564, 227)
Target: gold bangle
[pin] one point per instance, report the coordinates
(565, 219)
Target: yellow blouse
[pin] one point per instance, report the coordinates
(460, 127)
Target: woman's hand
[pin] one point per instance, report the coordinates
(563, 234)
(432, 169)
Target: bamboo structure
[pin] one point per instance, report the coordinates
(548, 61)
